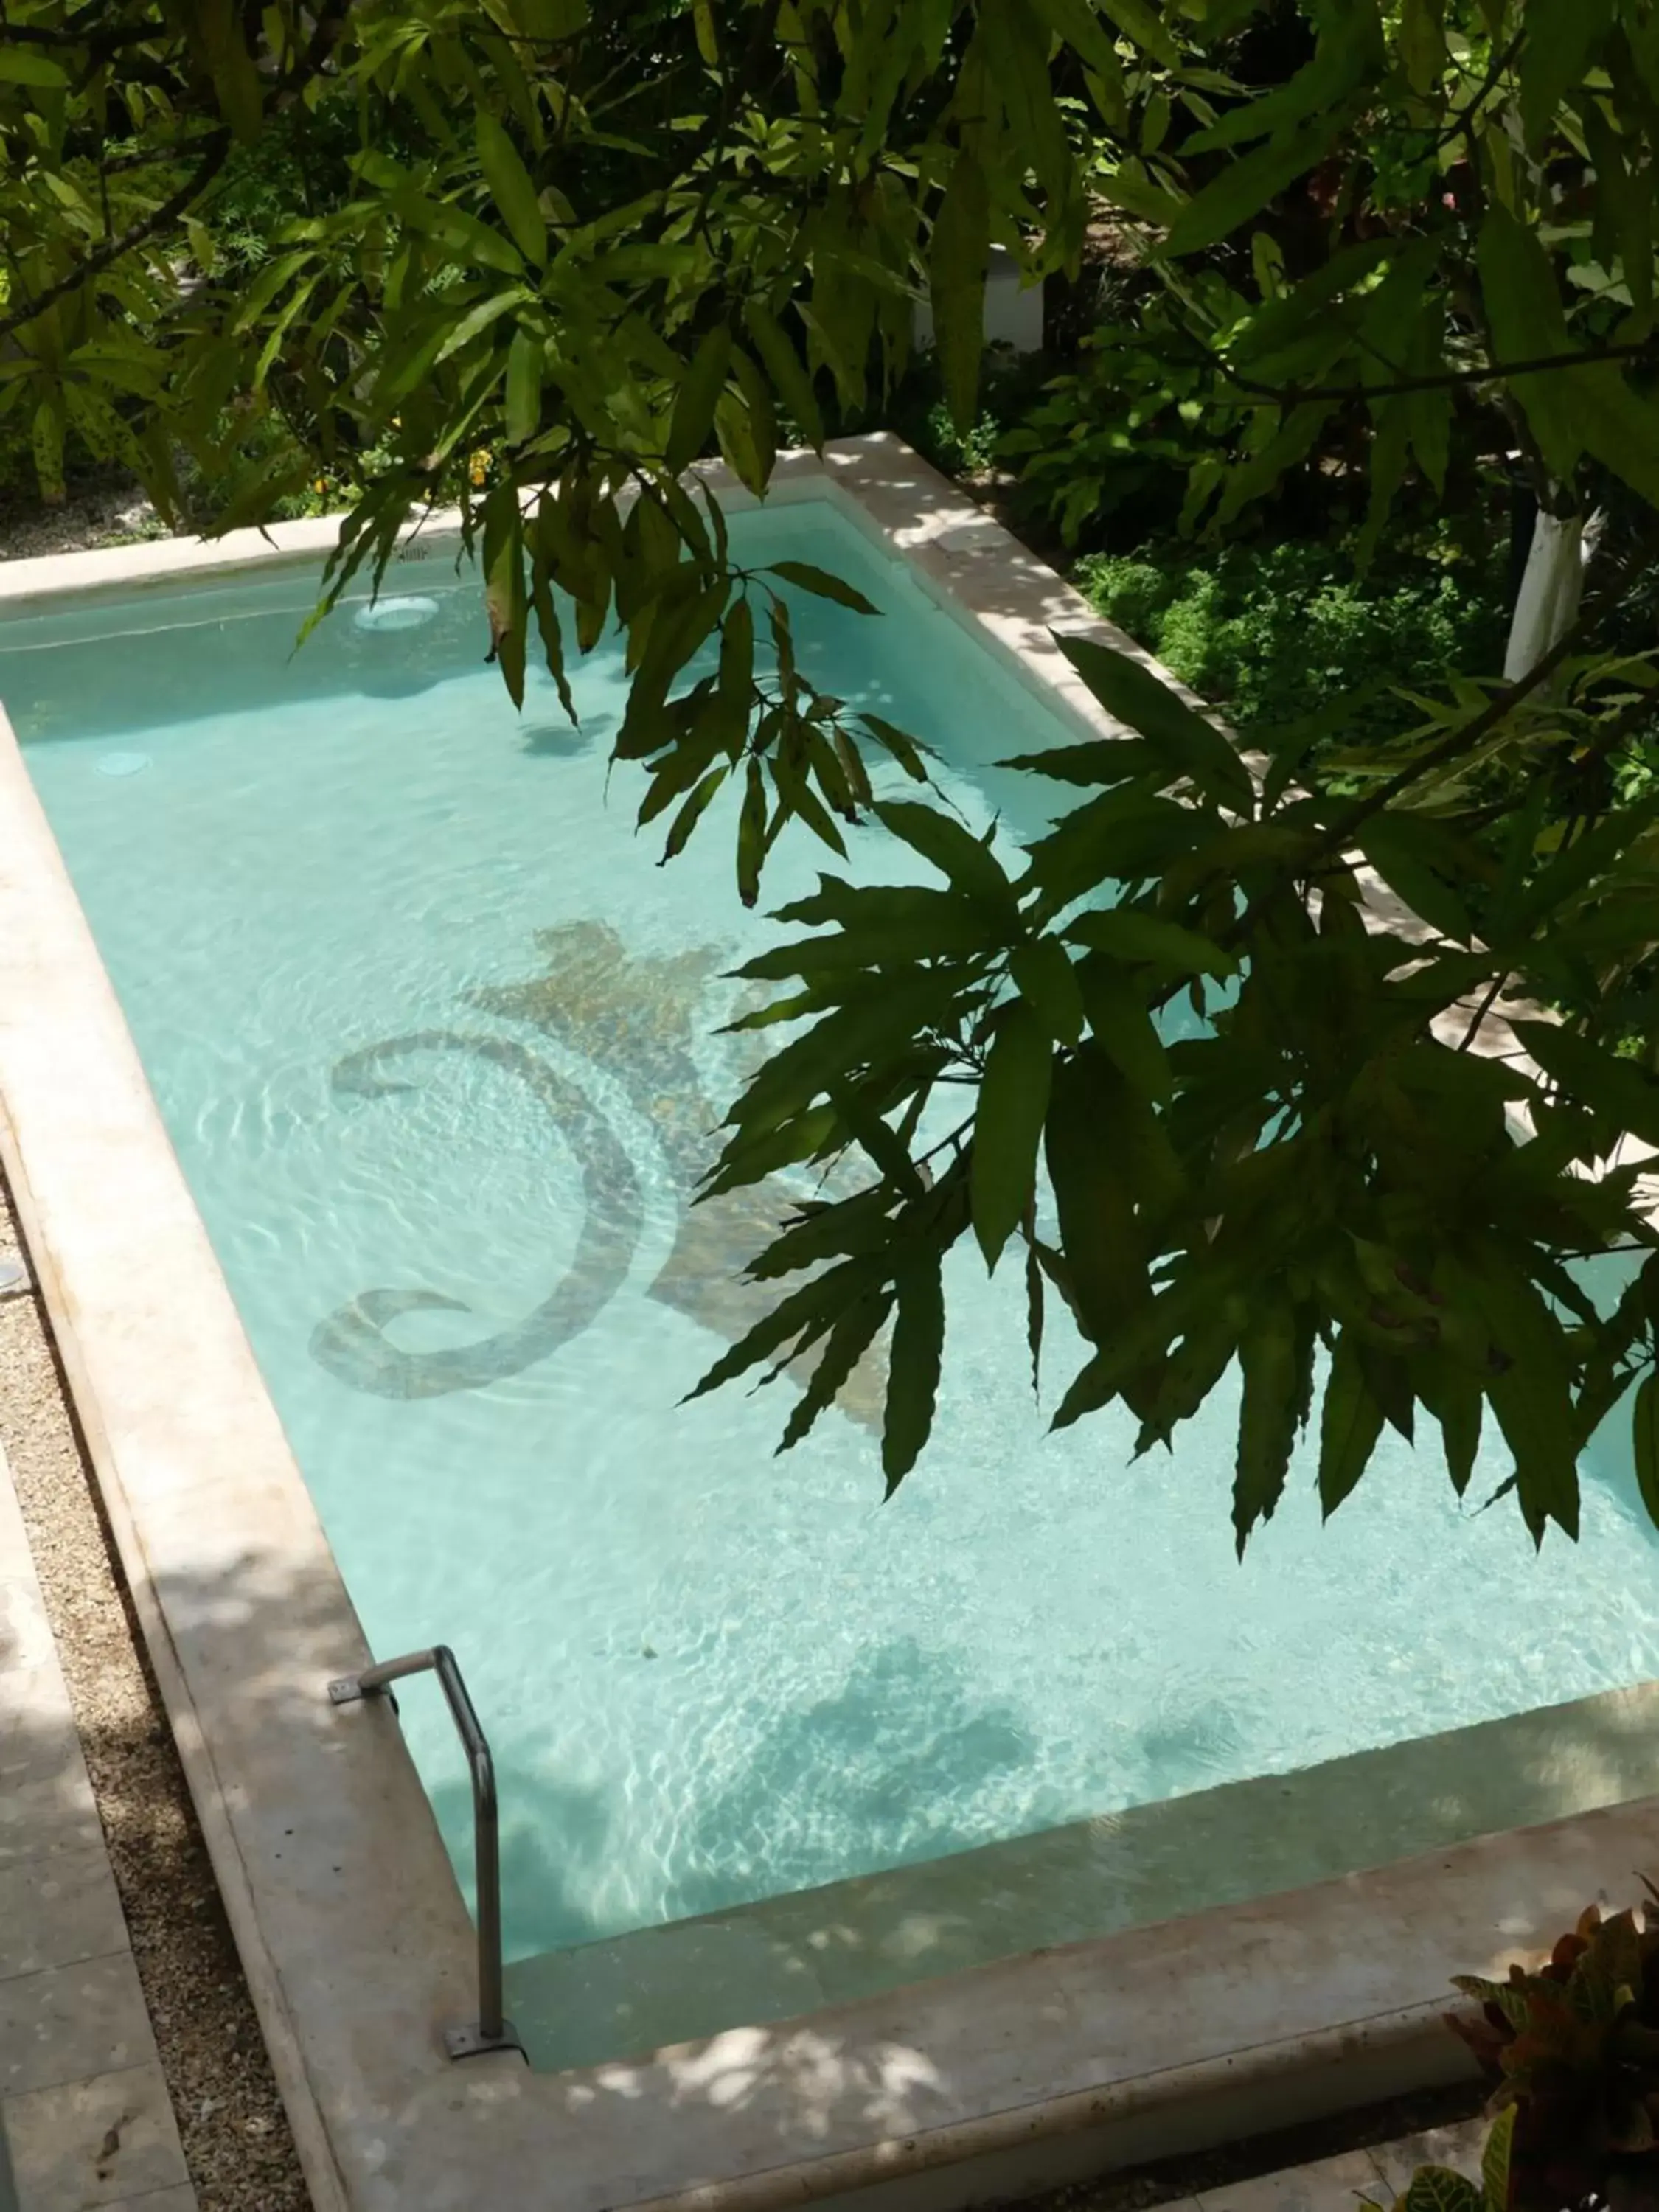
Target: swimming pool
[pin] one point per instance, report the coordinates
(433, 1040)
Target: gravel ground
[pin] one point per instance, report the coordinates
(235, 2133)
(103, 513)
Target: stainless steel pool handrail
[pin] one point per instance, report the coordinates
(492, 2030)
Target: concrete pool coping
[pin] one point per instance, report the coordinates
(358, 1949)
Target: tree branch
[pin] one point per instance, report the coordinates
(217, 147)
(1445, 380)
(101, 42)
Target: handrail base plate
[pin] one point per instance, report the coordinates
(468, 2042)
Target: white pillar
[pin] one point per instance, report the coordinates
(1013, 309)
(1546, 606)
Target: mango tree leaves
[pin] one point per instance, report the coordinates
(1129, 689)
(1351, 1423)
(510, 187)
(1177, 1025)
(1644, 1426)
(1528, 324)
(917, 1354)
(1268, 1356)
(959, 257)
(1008, 1118)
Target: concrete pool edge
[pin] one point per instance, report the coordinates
(355, 1941)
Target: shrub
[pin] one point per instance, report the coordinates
(1272, 632)
(1571, 2052)
(1574, 2050)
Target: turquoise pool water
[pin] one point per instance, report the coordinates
(432, 1035)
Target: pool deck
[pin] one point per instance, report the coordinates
(1023, 2071)
(85, 2117)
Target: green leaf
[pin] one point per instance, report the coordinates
(235, 79)
(1530, 1390)
(751, 833)
(467, 327)
(1289, 314)
(1495, 2162)
(504, 585)
(959, 256)
(1561, 37)
(1614, 1089)
(1408, 851)
(1128, 934)
(548, 22)
(1459, 1407)
(470, 240)
(1528, 324)
(1034, 1316)
(813, 1307)
(680, 828)
(1095, 760)
(1124, 1029)
(847, 1343)
(1620, 429)
(1644, 1427)
(523, 388)
(510, 189)
(699, 393)
(1266, 1419)
(911, 926)
(806, 578)
(1076, 21)
(28, 65)
(1043, 976)
(1438, 2189)
(1245, 186)
(971, 865)
(1351, 1421)
(1013, 1102)
(784, 366)
(1127, 688)
(912, 1368)
(1139, 20)
(1348, 51)
(740, 449)
(904, 749)
(1089, 1167)
(1391, 423)
(1423, 42)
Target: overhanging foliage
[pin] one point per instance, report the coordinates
(580, 248)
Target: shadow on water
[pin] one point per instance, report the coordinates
(878, 1774)
(560, 741)
(875, 1776)
(555, 1846)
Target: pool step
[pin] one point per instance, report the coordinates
(785, 1956)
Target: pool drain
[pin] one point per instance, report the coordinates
(394, 615)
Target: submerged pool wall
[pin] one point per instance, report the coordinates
(1258, 2010)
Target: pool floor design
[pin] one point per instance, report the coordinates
(711, 1676)
(635, 1019)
